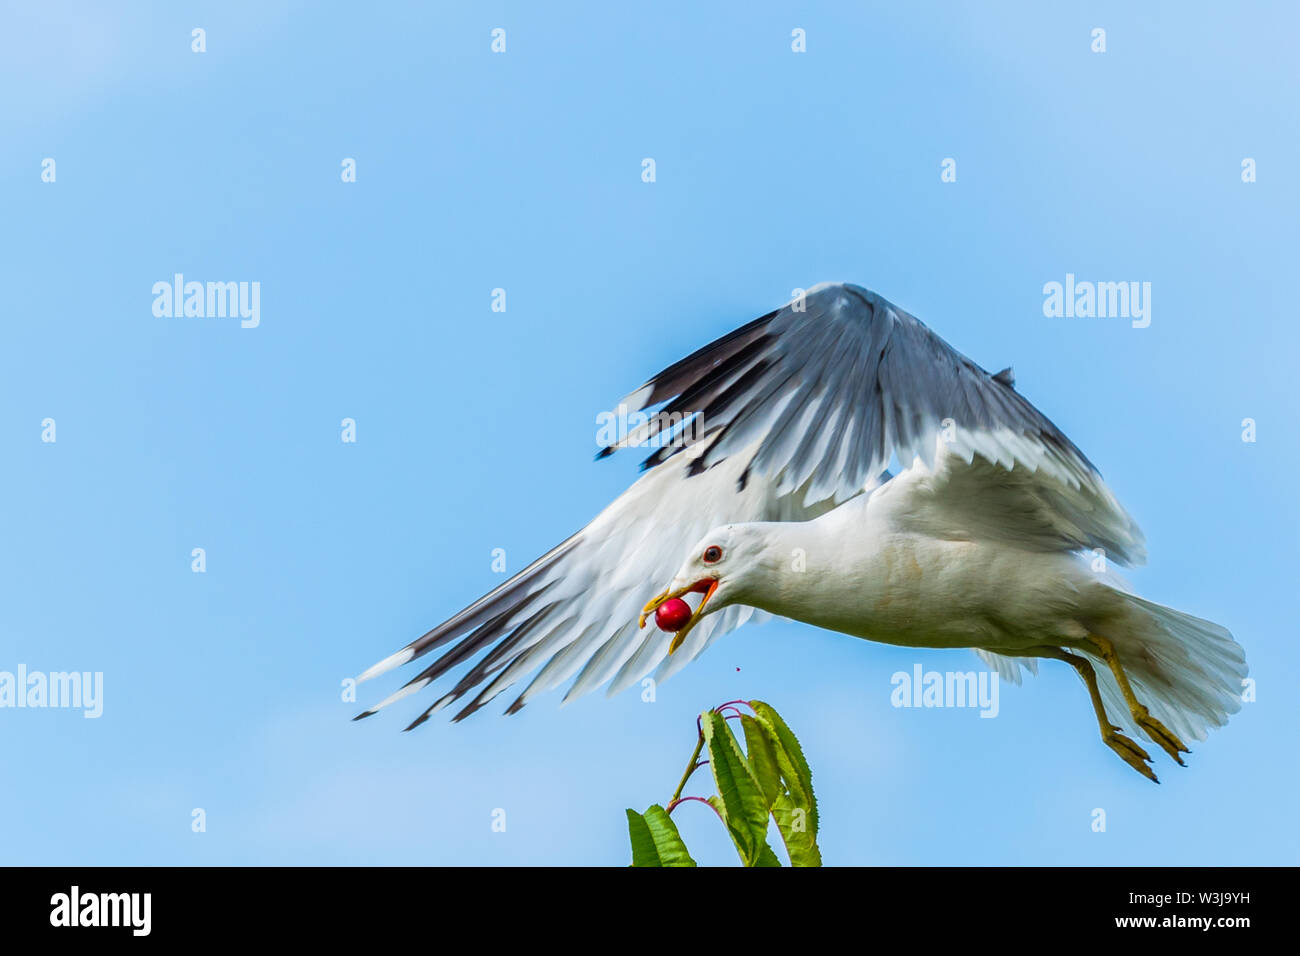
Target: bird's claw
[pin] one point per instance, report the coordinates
(1162, 735)
(1130, 753)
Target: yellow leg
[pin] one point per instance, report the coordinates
(1129, 752)
(1158, 731)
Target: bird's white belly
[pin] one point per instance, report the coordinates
(918, 591)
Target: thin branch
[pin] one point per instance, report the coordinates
(691, 766)
(681, 800)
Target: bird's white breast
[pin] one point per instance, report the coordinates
(865, 577)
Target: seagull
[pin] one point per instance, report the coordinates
(769, 489)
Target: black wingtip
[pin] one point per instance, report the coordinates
(364, 714)
(471, 708)
(604, 452)
(416, 723)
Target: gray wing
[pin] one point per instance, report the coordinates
(831, 386)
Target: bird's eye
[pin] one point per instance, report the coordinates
(712, 554)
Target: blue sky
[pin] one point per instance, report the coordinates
(522, 170)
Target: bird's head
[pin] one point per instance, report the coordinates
(720, 566)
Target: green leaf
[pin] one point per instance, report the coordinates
(644, 851)
(794, 823)
(793, 817)
(766, 856)
(760, 748)
(655, 840)
(740, 799)
(794, 766)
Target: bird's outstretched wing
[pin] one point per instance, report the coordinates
(789, 415)
(574, 610)
(831, 386)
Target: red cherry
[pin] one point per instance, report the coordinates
(672, 615)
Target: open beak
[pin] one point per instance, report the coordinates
(707, 586)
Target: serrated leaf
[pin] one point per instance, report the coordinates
(643, 842)
(655, 840)
(793, 823)
(760, 749)
(794, 766)
(740, 800)
(766, 855)
(672, 849)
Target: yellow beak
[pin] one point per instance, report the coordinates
(659, 599)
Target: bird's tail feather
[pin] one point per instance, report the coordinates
(1186, 670)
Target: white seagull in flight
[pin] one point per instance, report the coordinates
(987, 538)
